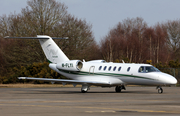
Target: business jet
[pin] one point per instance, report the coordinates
(98, 72)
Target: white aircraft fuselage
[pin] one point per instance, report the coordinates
(112, 74)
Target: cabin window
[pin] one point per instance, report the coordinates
(100, 67)
(119, 68)
(109, 68)
(114, 68)
(128, 69)
(105, 67)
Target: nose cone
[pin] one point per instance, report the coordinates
(173, 81)
(168, 79)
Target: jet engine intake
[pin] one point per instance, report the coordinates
(71, 65)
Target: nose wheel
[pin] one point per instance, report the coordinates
(160, 90)
(119, 88)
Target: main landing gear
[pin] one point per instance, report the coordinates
(160, 90)
(119, 88)
(85, 88)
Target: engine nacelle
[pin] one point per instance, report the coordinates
(71, 65)
(97, 61)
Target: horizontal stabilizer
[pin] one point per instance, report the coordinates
(34, 37)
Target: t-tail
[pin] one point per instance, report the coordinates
(53, 53)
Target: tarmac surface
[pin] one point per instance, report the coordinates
(68, 101)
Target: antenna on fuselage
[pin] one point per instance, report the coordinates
(123, 62)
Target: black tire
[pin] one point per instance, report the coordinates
(118, 89)
(83, 91)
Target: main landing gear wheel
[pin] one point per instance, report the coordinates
(119, 88)
(83, 91)
(160, 90)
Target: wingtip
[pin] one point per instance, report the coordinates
(21, 77)
(6, 37)
(66, 37)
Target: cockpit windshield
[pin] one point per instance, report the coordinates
(146, 69)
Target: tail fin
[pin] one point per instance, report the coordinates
(53, 53)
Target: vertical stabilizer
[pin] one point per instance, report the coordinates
(53, 53)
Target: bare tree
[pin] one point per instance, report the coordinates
(134, 41)
(40, 16)
(149, 35)
(161, 45)
(173, 38)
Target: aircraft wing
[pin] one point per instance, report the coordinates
(64, 81)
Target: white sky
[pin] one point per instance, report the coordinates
(105, 14)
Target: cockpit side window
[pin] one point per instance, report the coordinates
(146, 69)
(141, 69)
(157, 70)
(151, 69)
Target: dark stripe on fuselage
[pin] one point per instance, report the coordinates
(101, 73)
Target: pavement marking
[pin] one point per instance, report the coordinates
(101, 111)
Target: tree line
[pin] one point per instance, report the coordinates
(131, 40)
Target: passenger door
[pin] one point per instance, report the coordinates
(91, 70)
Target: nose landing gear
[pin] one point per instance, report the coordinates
(119, 88)
(160, 90)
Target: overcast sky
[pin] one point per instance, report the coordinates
(105, 14)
